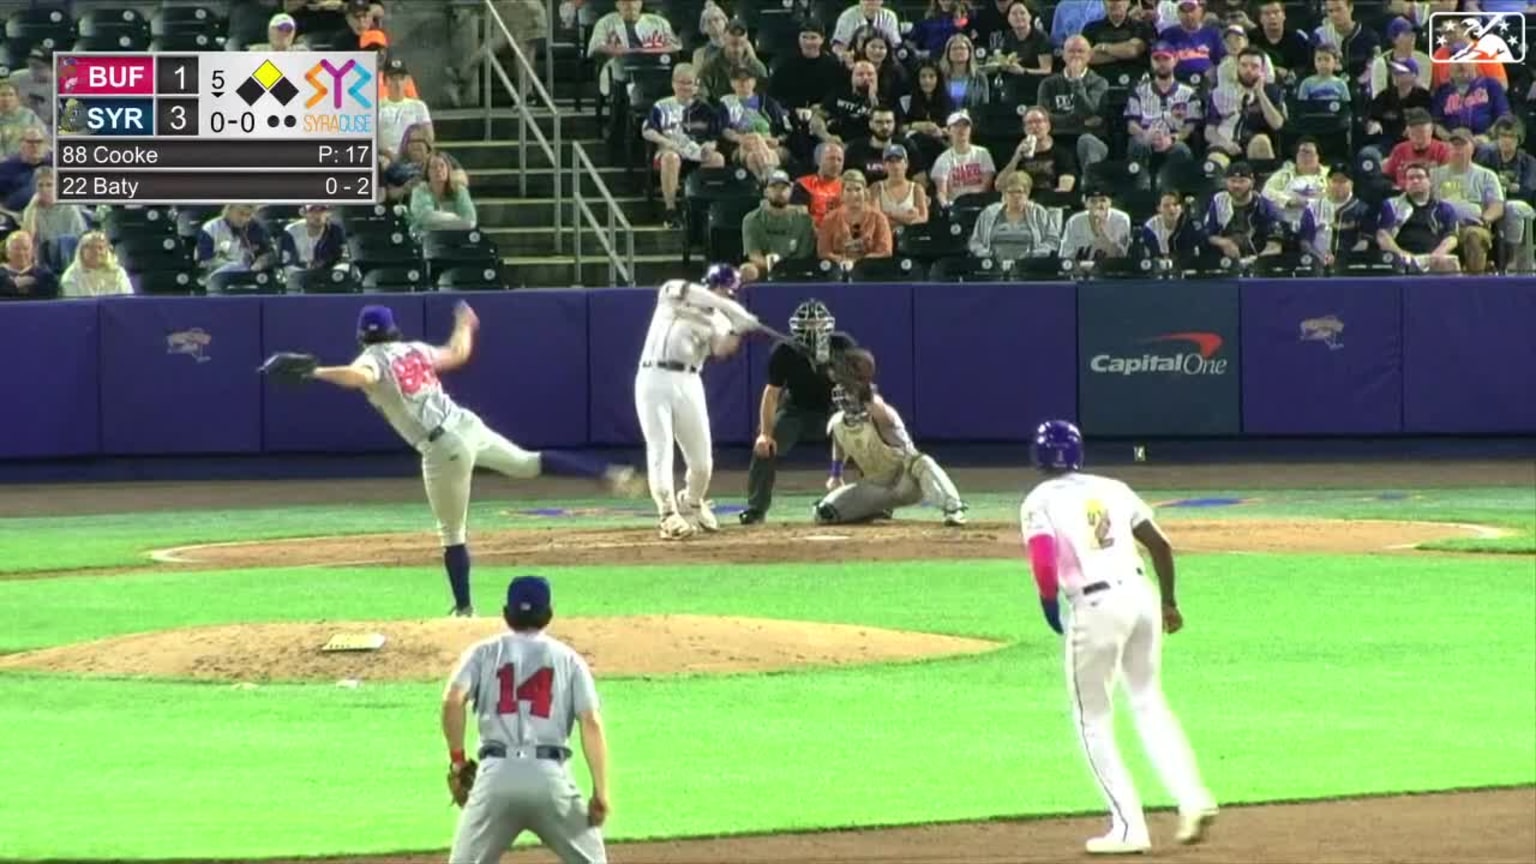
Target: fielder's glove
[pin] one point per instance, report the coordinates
(290, 367)
(461, 778)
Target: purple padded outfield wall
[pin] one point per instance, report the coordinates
(973, 362)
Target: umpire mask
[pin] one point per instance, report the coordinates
(812, 325)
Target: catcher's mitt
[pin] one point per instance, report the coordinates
(461, 778)
(289, 366)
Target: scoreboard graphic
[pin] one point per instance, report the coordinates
(217, 127)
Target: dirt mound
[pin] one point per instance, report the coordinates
(887, 541)
(427, 650)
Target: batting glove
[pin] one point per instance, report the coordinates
(1052, 610)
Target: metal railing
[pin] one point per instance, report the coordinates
(527, 77)
(607, 237)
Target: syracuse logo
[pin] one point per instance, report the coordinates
(1200, 361)
(337, 77)
(1326, 330)
(193, 342)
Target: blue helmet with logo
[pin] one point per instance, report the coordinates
(722, 277)
(1058, 446)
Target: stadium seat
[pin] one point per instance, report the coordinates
(937, 239)
(394, 280)
(190, 219)
(49, 28)
(113, 22)
(122, 222)
(447, 250)
(115, 41)
(325, 280)
(1287, 265)
(172, 42)
(485, 276)
(804, 270)
(185, 20)
(966, 268)
(368, 252)
(777, 33)
(899, 269)
(142, 254)
(966, 208)
(722, 237)
(704, 187)
(166, 282)
(240, 282)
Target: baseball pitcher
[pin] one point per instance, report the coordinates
(528, 690)
(893, 473)
(692, 323)
(400, 379)
(1081, 531)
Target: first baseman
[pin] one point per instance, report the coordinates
(1081, 530)
(528, 689)
(692, 322)
(400, 379)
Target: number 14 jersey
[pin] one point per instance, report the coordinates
(408, 392)
(527, 689)
(1092, 518)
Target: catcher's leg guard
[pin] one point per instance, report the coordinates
(938, 489)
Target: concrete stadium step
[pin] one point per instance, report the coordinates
(503, 153)
(540, 182)
(536, 240)
(538, 212)
(560, 272)
(468, 124)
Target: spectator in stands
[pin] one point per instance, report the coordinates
(776, 231)
(15, 120)
(628, 30)
(1240, 223)
(903, 201)
(1053, 170)
(1357, 44)
(968, 86)
(1023, 48)
(821, 192)
(1478, 199)
(856, 229)
(22, 277)
(1288, 49)
(846, 110)
(735, 53)
(282, 34)
(312, 242)
(685, 130)
(1420, 148)
(1163, 114)
(1416, 228)
(55, 227)
(994, 19)
(891, 75)
(1298, 183)
(1402, 38)
(34, 84)
(1516, 171)
(439, 202)
(18, 174)
(801, 81)
(713, 24)
(963, 169)
(1337, 223)
(362, 16)
(1071, 18)
(1386, 120)
(1075, 100)
(865, 13)
(867, 155)
(405, 169)
(1172, 234)
(1197, 45)
(1324, 85)
(234, 241)
(1242, 118)
(757, 126)
(1456, 39)
(1015, 227)
(1100, 231)
(943, 19)
(922, 116)
(1120, 42)
(1234, 40)
(95, 271)
(377, 41)
(1468, 101)
(397, 111)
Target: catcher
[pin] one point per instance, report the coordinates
(893, 472)
(528, 690)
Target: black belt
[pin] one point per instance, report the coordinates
(435, 434)
(553, 754)
(670, 366)
(1095, 588)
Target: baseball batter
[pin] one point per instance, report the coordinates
(400, 379)
(1081, 530)
(528, 689)
(692, 322)
(893, 473)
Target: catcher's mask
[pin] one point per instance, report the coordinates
(855, 410)
(812, 325)
(376, 324)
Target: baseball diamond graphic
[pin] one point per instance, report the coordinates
(267, 79)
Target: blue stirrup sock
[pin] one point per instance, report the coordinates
(561, 462)
(456, 561)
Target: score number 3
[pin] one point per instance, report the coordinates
(1098, 522)
(537, 691)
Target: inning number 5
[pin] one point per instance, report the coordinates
(218, 79)
(537, 691)
(1098, 522)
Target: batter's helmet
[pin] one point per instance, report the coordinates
(1058, 446)
(722, 277)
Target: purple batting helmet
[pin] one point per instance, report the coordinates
(1058, 446)
(722, 277)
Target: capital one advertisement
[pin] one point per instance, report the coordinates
(1159, 359)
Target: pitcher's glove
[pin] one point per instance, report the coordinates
(290, 367)
(461, 778)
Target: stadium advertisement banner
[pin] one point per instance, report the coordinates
(1322, 357)
(1469, 351)
(1158, 358)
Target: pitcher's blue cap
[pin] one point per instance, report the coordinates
(528, 594)
(375, 319)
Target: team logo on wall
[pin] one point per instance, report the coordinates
(1478, 37)
(194, 343)
(1197, 357)
(1326, 330)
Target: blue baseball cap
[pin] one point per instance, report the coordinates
(375, 319)
(528, 594)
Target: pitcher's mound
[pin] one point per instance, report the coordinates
(427, 650)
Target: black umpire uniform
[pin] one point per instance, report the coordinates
(802, 411)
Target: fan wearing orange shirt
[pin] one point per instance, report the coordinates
(855, 230)
(822, 192)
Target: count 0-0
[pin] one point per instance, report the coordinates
(246, 120)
